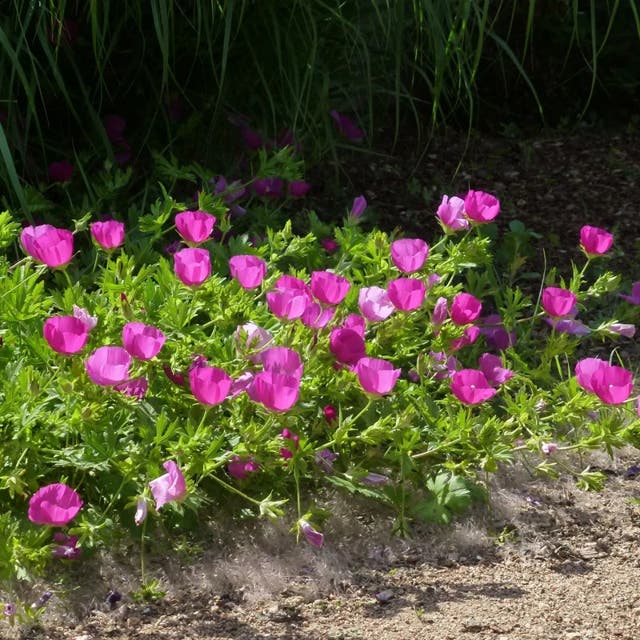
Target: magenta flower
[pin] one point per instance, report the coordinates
(65, 334)
(375, 304)
(175, 376)
(471, 386)
(317, 317)
(328, 287)
(465, 308)
(470, 335)
(558, 302)
(493, 370)
(209, 385)
(276, 391)
(108, 234)
(330, 413)
(356, 323)
(299, 188)
(313, 537)
(585, 369)
(142, 341)
(170, 486)
(634, 298)
(451, 214)
(347, 345)
(54, 505)
(376, 376)
(595, 241)
(410, 254)
(107, 366)
(268, 187)
(195, 226)
(406, 294)
(47, 244)
(250, 340)
(440, 312)
(282, 360)
(329, 245)
(358, 207)
(347, 127)
(289, 304)
(67, 547)
(480, 206)
(240, 468)
(60, 171)
(83, 315)
(248, 270)
(135, 387)
(613, 385)
(192, 266)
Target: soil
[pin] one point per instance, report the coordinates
(543, 560)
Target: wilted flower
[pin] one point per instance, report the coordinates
(496, 335)
(83, 315)
(469, 336)
(9, 610)
(54, 505)
(141, 512)
(282, 360)
(114, 126)
(375, 479)
(325, 459)
(313, 537)
(622, 329)
(168, 487)
(250, 340)
(493, 370)
(548, 448)
(67, 547)
(443, 365)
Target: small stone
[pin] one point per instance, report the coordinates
(385, 596)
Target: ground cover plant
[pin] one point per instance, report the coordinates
(144, 392)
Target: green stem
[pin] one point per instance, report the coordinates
(296, 478)
(235, 490)
(142, 565)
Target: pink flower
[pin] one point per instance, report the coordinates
(65, 334)
(299, 188)
(250, 340)
(451, 214)
(440, 312)
(347, 345)
(330, 413)
(375, 304)
(142, 341)
(135, 387)
(54, 505)
(60, 171)
(47, 244)
(168, 487)
(276, 391)
(287, 305)
(346, 126)
(356, 323)
(317, 317)
(329, 245)
(107, 366)
(558, 302)
(548, 448)
(67, 548)
(141, 512)
(634, 298)
(406, 294)
(595, 241)
(410, 254)
(585, 369)
(328, 287)
(209, 385)
(108, 234)
(268, 187)
(192, 266)
(465, 308)
(376, 376)
(282, 360)
(469, 336)
(613, 385)
(248, 270)
(493, 370)
(195, 226)
(471, 386)
(480, 206)
(240, 468)
(313, 537)
(83, 315)
(358, 207)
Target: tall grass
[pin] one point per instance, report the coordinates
(64, 64)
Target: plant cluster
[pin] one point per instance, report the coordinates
(256, 373)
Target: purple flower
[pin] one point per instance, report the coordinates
(634, 298)
(240, 468)
(346, 126)
(325, 459)
(358, 207)
(268, 187)
(67, 547)
(375, 480)
(61, 171)
(313, 537)
(548, 448)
